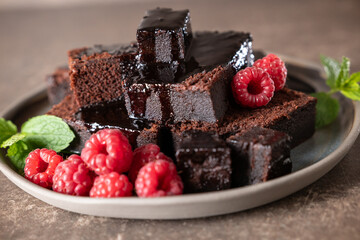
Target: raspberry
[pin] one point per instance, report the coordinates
(73, 177)
(275, 67)
(158, 178)
(111, 185)
(40, 166)
(143, 155)
(107, 151)
(252, 87)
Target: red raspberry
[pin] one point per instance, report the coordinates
(107, 151)
(158, 178)
(111, 185)
(40, 166)
(143, 155)
(73, 177)
(252, 87)
(275, 67)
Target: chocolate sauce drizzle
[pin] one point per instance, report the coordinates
(111, 114)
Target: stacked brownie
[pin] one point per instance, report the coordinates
(172, 88)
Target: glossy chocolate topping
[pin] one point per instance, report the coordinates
(211, 49)
(208, 50)
(109, 115)
(164, 18)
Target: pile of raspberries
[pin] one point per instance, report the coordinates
(106, 168)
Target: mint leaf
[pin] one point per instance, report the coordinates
(354, 78)
(327, 109)
(353, 94)
(7, 129)
(18, 153)
(344, 73)
(13, 139)
(48, 132)
(332, 70)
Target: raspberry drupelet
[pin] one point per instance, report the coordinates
(107, 151)
(157, 179)
(252, 87)
(111, 185)
(73, 177)
(40, 166)
(143, 155)
(275, 67)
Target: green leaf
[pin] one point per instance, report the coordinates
(352, 94)
(344, 73)
(332, 70)
(354, 78)
(18, 153)
(7, 129)
(13, 139)
(327, 109)
(48, 132)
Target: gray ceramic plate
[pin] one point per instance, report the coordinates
(312, 160)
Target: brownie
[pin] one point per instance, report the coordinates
(88, 120)
(258, 155)
(164, 35)
(203, 161)
(201, 97)
(96, 73)
(213, 59)
(289, 111)
(58, 85)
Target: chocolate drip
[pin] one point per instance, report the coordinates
(109, 115)
(166, 108)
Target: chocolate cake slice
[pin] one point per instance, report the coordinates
(58, 85)
(211, 62)
(164, 35)
(203, 161)
(258, 155)
(201, 97)
(289, 111)
(96, 73)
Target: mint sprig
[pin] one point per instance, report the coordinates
(17, 153)
(38, 132)
(338, 80)
(48, 132)
(13, 139)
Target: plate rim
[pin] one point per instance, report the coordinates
(318, 169)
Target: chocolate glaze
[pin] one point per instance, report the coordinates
(111, 115)
(211, 49)
(164, 18)
(140, 94)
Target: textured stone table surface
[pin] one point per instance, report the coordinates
(33, 42)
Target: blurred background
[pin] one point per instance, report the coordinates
(35, 36)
